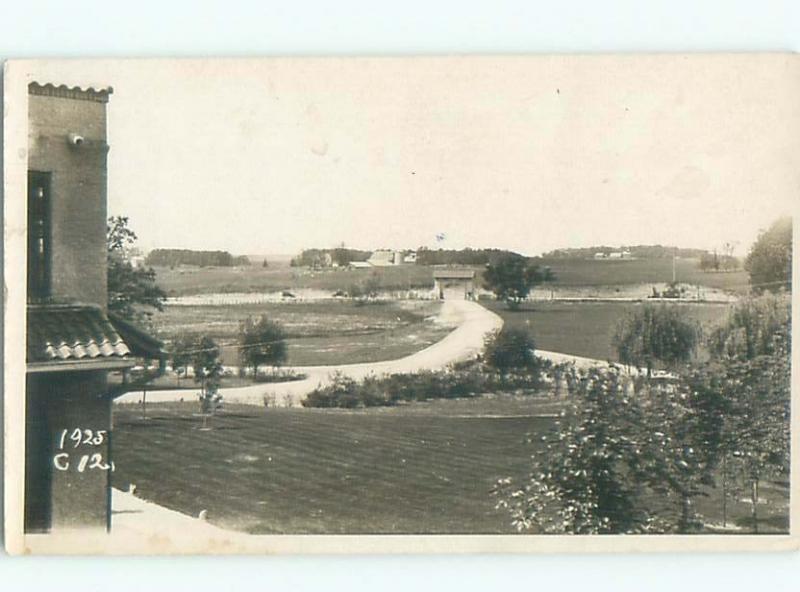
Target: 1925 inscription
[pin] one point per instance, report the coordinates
(68, 458)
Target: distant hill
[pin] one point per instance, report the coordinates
(426, 256)
(636, 252)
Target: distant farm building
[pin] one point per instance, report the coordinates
(410, 257)
(385, 258)
(454, 283)
(360, 265)
(624, 254)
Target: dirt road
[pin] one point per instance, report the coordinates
(472, 321)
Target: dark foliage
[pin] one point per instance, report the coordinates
(769, 262)
(511, 348)
(656, 334)
(175, 257)
(262, 341)
(132, 291)
(375, 391)
(511, 278)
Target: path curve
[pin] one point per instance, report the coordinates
(473, 322)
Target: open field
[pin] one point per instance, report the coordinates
(586, 328)
(322, 332)
(588, 272)
(187, 280)
(422, 468)
(570, 273)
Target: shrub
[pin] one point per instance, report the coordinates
(656, 334)
(510, 349)
(424, 385)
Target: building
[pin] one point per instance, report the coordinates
(73, 344)
(385, 258)
(454, 283)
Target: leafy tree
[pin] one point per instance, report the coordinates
(751, 327)
(511, 277)
(366, 290)
(769, 262)
(183, 348)
(655, 334)
(132, 291)
(208, 372)
(582, 481)
(751, 370)
(618, 462)
(511, 348)
(262, 342)
(758, 434)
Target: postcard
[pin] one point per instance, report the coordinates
(463, 304)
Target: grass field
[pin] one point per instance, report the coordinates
(310, 471)
(586, 328)
(323, 332)
(189, 280)
(570, 273)
(425, 468)
(587, 272)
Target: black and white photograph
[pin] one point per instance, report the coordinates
(384, 304)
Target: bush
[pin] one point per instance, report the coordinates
(510, 349)
(422, 386)
(656, 334)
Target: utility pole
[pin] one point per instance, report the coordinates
(673, 266)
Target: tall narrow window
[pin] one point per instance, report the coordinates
(38, 235)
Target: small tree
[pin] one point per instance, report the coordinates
(511, 278)
(655, 334)
(207, 372)
(509, 349)
(262, 341)
(582, 481)
(751, 327)
(751, 370)
(769, 262)
(365, 290)
(182, 353)
(132, 291)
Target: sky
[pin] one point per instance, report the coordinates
(528, 154)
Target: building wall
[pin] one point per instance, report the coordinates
(77, 192)
(68, 451)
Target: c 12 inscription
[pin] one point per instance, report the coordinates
(68, 458)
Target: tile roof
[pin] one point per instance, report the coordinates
(71, 332)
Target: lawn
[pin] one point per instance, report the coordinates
(423, 468)
(392, 470)
(322, 332)
(586, 328)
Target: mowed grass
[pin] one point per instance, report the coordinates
(588, 272)
(587, 328)
(385, 471)
(424, 468)
(187, 280)
(320, 332)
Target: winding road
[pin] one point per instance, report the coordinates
(472, 323)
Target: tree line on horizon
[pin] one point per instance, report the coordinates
(636, 251)
(175, 257)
